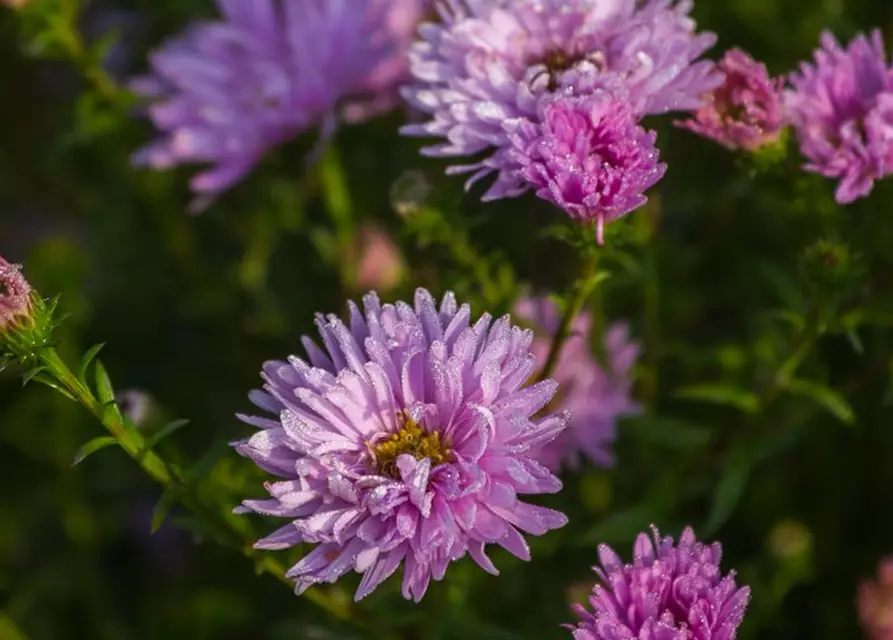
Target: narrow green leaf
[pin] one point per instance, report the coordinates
(162, 508)
(87, 359)
(28, 377)
(828, 398)
(730, 490)
(164, 432)
(104, 390)
(741, 399)
(92, 447)
(52, 383)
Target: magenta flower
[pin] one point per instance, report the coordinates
(745, 111)
(587, 155)
(15, 296)
(595, 396)
(842, 111)
(225, 92)
(668, 592)
(490, 61)
(406, 440)
(875, 603)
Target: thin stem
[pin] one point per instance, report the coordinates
(133, 442)
(580, 291)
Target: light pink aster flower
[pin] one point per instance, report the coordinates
(586, 155)
(745, 111)
(842, 110)
(405, 440)
(595, 395)
(490, 61)
(225, 92)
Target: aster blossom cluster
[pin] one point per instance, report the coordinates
(405, 440)
(490, 68)
(227, 91)
(15, 295)
(745, 111)
(841, 107)
(595, 395)
(671, 591)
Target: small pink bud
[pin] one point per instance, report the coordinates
(15, 296)
(380, 265)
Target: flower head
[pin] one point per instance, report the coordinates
(669, 592)
(380, 264)
(595, 396)
(406, 440)
(490, 61)
(745, 111)
(587, 155)
(15, 296)
(227, 91)
(842, 110)
(875, 603)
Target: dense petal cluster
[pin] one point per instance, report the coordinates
(842, 110)
(15, 295)
(596, 396)
(668, 592)
(745, 111)
(489, 61)
(406, 439)
(225, 92)
(875, 603)
(587, 155)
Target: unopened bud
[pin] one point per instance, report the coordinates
(15, 297)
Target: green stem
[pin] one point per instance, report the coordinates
(133, 442)
(580, 291)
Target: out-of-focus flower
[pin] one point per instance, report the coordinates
(15, 4)
(136, 405)
(491, 61)
(15, 296)
(586, 155)
(669, 592)
(227, 91)
(405, 440)
(381, 265)
(875, 602)
(595, 396)
(745, 111)
(842, 110)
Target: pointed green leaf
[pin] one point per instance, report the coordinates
(28, 377)
(671, 433)
(92, 447)
(104, 390)
(828, 398)
(730, 490)
(162, 508)
(52, 383)
(87, 359)
(728, 395)
(164, 432)
(620, 526)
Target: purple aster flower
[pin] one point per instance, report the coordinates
(406, 440)
(587, 155)
(875, 602)
(745, 111)
(842, 110)
(15, 296)
(227, 91)
(595, 396)
(490, 61)
(668, 592)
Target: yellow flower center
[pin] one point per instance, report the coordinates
(411, 439)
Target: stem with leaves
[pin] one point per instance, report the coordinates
(580, 291)
(53, 372)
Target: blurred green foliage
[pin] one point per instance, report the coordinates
(764, 308)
